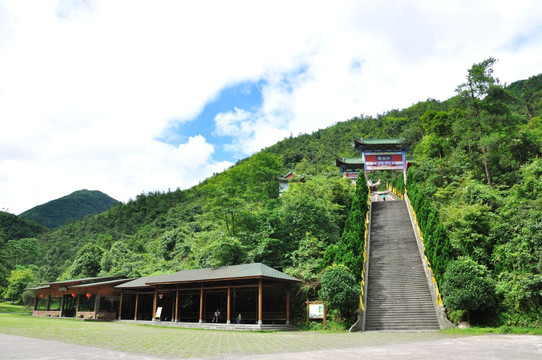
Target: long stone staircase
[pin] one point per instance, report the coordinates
(398, 297)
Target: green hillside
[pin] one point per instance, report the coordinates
(75, 206)
(14, 227)
(476, 185)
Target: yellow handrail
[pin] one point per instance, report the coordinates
(362, 283)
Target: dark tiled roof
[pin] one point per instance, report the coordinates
(90, 280)
(110, 282)
(38, 288)
(255, 270)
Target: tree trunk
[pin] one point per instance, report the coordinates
(486, 166)
(484, 153)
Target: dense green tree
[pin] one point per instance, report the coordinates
(18, 280)
(532, 95)
(87, 262)
(120, 260)
(340, 289)
(15, 227)
(25, 251)
(480, 81)
(3, 266)
(468, 286)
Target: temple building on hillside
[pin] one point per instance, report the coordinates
(350, 167)
(377, 154)
(260, 293)
(285, 180)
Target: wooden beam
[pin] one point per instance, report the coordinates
(260, 301)
(120, 305)
(154, 301)
(288, 305)
(201, 304)
(228, 312)
(173, 309)
(137, 301)
(96, 304)
(77, 304)
(61, 305)
(177, 305)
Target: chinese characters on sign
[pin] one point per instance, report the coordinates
(384, 160)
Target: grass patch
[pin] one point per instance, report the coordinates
(12, 308)
(474, 330)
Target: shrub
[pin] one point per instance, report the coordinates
(468, 286)
(340, 289)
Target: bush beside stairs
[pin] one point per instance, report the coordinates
(398, 297)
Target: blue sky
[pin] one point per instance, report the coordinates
(246, 95)
(130, 96)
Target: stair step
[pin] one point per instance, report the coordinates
(398, 297)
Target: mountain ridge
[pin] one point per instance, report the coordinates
(75, 206)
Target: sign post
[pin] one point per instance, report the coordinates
(316, 310)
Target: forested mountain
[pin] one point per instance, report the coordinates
(14, 227)
(476, 183)
(75, 206)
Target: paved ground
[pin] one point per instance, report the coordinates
(471, 347)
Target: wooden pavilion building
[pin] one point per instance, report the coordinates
(88, 298)
(256, 291)
(260, 294)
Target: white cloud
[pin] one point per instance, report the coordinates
(87, 87)
(232, 123)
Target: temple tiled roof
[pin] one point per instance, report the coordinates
(395, 141)
(349, 161)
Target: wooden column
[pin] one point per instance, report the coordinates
(120, 305)
(96, 305)
(62, 305)
(154, 304)
(260, 302)
(173, 309)
(201, 304)
(228, 311)
(77, 304)
(137, 301)
(177, 305)
(288, 304)
(48, 302)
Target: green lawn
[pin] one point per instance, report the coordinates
(499, 330)
(176, 342)
(185, 343)
(11, 308)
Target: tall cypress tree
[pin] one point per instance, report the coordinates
(349, 251)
